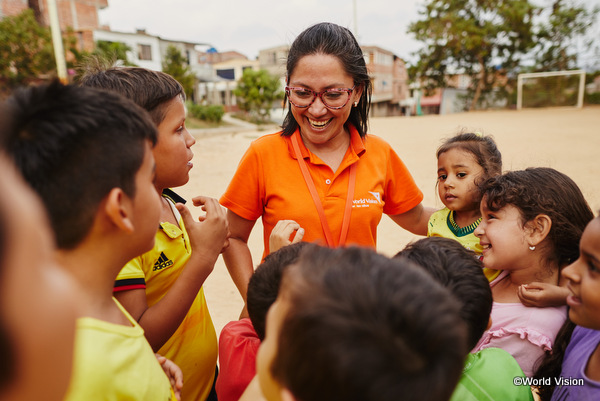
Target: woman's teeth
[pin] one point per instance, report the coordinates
(318, 124)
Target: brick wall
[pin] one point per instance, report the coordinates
(11, 7)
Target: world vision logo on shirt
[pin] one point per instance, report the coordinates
(366, 202)
(162, 263)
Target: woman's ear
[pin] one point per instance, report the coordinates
(539, 228)
(358, 90)
(118, 210)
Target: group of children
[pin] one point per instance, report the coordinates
(435, 322)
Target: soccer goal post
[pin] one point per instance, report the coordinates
(555, 88)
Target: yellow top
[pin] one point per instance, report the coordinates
(441, 224)
(115, 362)
(193, 346)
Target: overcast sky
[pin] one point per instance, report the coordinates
(248, 26)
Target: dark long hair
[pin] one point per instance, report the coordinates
(334, 40)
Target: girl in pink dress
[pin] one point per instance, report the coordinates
(532, 221)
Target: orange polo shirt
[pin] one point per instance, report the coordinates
(269, 184)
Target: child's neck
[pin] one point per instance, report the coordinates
(465, 218)
(166, 211)
(95, 272)
(506, 291)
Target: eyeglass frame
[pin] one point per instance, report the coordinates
(320, 96)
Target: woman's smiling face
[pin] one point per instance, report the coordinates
(318, 124)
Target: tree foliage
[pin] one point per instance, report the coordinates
(484, 39)
(176, 65)
(488, 40)
(557, 36)
(256, 92)
(113, 51)
(26, 51)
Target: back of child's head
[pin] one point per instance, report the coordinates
(73, 145)
(362, 326)
(264, 284)
(543, 190)
(152, 90)
(482, 147)
(457, 269)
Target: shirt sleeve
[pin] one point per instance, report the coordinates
(131, 277)
(401, 192)
(245, 194)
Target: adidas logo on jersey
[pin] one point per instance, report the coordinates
(162, 263)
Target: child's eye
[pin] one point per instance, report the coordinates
(461, 175)
(442, 177)
(490, 217)
(593, 268)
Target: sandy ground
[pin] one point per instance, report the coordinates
(565, 139)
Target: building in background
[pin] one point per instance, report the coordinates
(80, 15)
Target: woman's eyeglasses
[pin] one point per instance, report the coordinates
(335, 98)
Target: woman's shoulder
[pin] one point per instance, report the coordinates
(268, 141)
(375, 140)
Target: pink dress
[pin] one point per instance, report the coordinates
(524, 332)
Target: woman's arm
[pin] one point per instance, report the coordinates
(237, 256)
(414, 220)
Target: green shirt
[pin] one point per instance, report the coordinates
(489, 375)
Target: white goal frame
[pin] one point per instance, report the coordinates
(581, 74)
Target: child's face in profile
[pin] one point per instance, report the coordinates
(271, 389)
(173, 152)
(502, 237)
(584, 279)
(146, 203)
(37, 298)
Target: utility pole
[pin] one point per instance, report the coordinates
(355, 20)
(59, 53)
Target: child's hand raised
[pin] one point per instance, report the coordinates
(280, 236)
(542, 295)
(209, 236)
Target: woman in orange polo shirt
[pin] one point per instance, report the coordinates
(322, 171)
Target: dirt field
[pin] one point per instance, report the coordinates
(565, 139)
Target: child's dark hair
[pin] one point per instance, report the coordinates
(543, 190)
(482, 147)
(264, 284)
(551, 364)
(362, 326)
(333, 40)
(457, 269)
(73, 145)
(152, 90)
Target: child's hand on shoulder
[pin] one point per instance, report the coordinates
(210, 234)
(174, 374)
(542, 295)
(280, 236)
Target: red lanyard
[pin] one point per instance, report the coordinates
(317, 201)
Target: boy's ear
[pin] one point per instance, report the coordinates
(117, 208)
(539, 228)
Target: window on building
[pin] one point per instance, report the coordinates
(144, 52)
(228, 73)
